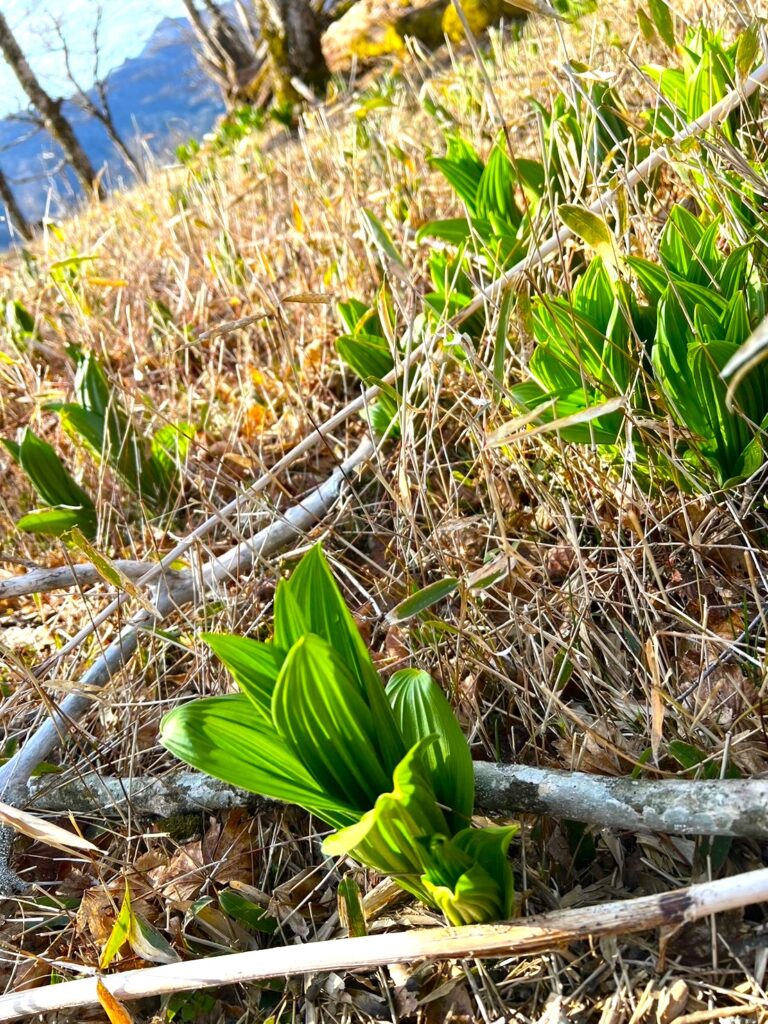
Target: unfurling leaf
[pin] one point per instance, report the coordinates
(469, 876)
(351, 912)
(421, 709)
(253, 665)
(387, 837)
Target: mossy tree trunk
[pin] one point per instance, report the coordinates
(292, 31)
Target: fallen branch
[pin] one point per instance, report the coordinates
(723, 807)
(43, 581)
(519, 938)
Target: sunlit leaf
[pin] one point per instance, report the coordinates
(254, 666)
(318, 709)
(121, 929)
(421, 710)
(227, 738)
(387, 837)
(423, 599)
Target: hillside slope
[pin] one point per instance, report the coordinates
(603, 573)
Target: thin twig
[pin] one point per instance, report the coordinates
(519, 938)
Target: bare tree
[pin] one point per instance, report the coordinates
(16, 220)
(226, 56)
(246, 16)
(49, 109)
(96, 102)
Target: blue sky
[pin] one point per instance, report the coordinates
(125, 27)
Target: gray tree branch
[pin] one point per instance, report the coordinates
(726, 807)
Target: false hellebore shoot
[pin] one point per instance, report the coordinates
(388, 768)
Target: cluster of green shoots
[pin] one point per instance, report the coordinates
(632, 336)
(97, 422)
(387, 767)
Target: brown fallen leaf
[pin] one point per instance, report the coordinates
(43, 831)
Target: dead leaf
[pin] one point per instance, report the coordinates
(43, 831)
(96, 915)
(115, 1010)
(183, 876)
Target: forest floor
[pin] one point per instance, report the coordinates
(210, 297)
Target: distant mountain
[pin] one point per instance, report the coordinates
(158, 99)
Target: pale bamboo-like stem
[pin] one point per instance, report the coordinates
(485, 296)
(522, 937)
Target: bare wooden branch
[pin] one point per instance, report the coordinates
(722, 807)
(518, 938)
(42, 581)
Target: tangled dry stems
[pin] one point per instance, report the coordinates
(588, 653)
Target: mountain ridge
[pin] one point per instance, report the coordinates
(150, 110)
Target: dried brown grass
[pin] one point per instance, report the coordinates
(586, 655)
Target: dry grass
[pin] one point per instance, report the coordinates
(588, 654)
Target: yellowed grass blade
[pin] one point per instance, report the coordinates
(43, 831)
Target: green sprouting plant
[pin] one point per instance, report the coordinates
(367, 352)
(19, 323)
(187, 152)
(68, 505)
(708, 70)
(584, 137)
(239, 124)
(706, 304)
(388, 769)
(149, 466)
(701, 305)
(583, 357)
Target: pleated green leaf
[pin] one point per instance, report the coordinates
(50, 477)
(290, 624)
(253, 665)
(315, 597)
(469, 876)
(388, 836)
(317, 708)
(421, 710)
(228, 739)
